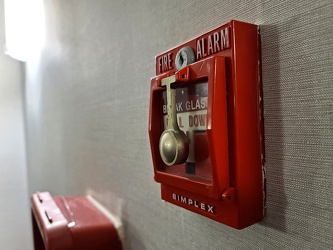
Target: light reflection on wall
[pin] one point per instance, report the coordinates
(25, 28)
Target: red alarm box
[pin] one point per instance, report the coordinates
(206, 126)
(73, 223)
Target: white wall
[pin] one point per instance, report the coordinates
(15, 218)
(87, 115)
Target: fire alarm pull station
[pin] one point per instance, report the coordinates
(206, 126)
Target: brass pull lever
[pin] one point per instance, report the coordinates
(174, 144)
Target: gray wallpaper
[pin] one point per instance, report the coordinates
(87, 99)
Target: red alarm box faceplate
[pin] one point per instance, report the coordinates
(205, 125)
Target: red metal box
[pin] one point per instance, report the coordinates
(70, 223)
(206, 125)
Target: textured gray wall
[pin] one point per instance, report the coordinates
(87, 112)
(15, 229)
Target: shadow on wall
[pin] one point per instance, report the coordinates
(135, 242)
(276, 202)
